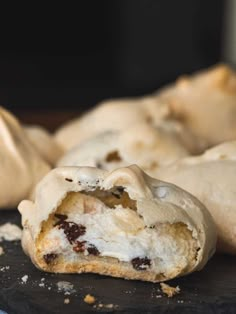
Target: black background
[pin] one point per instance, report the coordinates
(73, 56)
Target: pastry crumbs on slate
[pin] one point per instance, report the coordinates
(66, 301)
(168, 290)
(89, 299)
(1, 251)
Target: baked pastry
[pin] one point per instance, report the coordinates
(20, 165)
(111, 115)
(211, 178)
(123, 224)
(205, 103)
(142, 144)
(44, 143)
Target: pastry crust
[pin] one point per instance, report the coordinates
(211, 178)
(105, 208)
(147, 146)
(20, 165)
(205, 103)
(44, 143)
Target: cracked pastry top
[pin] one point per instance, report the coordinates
(21, 167)
(121, 223)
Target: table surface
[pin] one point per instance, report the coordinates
(212, 290)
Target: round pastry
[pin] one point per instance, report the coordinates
(20, 165)
(205, 103)
(110, 115)
(44, 143)
(147, 146)
(211, 178)
(121, 223)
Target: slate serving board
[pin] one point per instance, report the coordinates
(212, 290)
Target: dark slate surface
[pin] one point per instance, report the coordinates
(213, 290)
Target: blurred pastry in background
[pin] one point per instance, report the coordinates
(44, 143)
(211, 177)
(147, 146)
(21, 167)
(205, 103)
(111, 115)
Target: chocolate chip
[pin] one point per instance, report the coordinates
(72, 230)
(152, 226)
(49, 258)
(93, 250)
(79, 247)
(141, 263)
(69, 180)
(113, 156)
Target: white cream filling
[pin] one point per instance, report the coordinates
(120, 233)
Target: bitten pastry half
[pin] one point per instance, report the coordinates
(142, 144)
(205, 103)
(121, 223)
(21, 167)
(211, 177)
(44, 143)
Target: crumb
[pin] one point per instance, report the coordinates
(4, 268)
(89, 299)
(109, 306)
(41, 284)
(158, 296)
(1, 251)
(168, 290)
(66, 301)
(10, 232)
(24, 279)
(66, 287)
(106, 306)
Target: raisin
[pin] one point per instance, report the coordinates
(99, 165)
(61, 216)
(141, 263)
(49, 258)
(69, 180)
(80, 246)
(120, 189)
(113, 156)
(93, 250)
(72, 230)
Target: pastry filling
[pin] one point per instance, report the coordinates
(107, 224)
